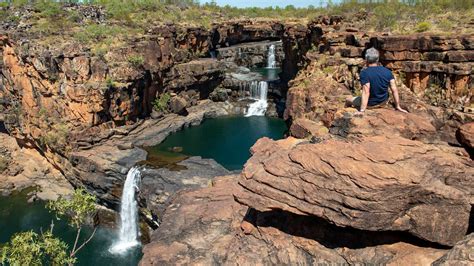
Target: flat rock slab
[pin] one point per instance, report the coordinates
(160, 185)
(375, 183)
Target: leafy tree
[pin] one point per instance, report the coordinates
(79, 210)
(31, 248)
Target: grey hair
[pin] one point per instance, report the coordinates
(372, 55)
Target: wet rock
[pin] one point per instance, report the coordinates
(220, 95)
(125, 146)
(376, 184)
(103, 166)
(250, 55)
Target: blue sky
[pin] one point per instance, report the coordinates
(266, 3)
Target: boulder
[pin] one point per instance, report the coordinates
(204, 226)
(302, 128)
(461, 254)
(178, 105)
(376, 183)
(383, 122)
(465, 136)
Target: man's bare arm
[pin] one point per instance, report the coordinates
(365, 96)
(396, 97)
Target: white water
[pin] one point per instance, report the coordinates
(271, 62)
(128, 237)
(258, 91)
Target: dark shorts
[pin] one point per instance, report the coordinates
(357, 102)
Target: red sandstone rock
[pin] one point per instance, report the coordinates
(383, 121)
(465, 136)
(376, 183)
(461, 254)
(204, 227)
(303, 128)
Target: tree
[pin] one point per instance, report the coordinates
(79, 210)
(30, 248)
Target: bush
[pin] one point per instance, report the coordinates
(136, 60)
(56, 138)
(96, 32)
(423, 26)
(49, 9)
(161, 103)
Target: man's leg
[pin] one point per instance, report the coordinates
(354, 102)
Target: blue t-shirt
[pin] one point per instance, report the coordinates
(379, 78)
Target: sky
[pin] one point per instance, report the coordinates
(266, 3)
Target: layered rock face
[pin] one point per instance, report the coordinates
(74, 86)
(251, 54)
(204, 227)
(24, 167)
(376, 184)
(241, 31)
(436, 68)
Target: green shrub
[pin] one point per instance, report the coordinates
(161, 103)
(96, 32)
(445, 24)
(136, 60)
(110, 82)
(423, 26)
(49, 9)
(3, 163)
(56, 138)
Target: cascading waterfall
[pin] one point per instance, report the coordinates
(258, 91)
(271, 61)
(128, 237)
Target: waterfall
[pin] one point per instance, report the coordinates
(271, 62)
(258, 91)
(128, 237)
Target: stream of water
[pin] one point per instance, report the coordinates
(271, 60)
(258, 92)
(128, 236)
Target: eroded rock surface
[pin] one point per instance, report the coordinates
(461, 254)
(204, 227)
(25, 167)
(377, 184)
(159, 185)
(465, 135)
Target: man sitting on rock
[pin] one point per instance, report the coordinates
(375, 80)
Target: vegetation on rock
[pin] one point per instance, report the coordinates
(99, 21)
(136, 60)
(31, 248)
(3, 163)
(56, 138)
(161, 102)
